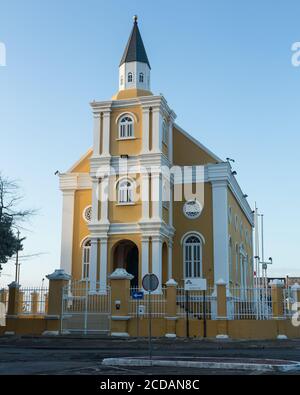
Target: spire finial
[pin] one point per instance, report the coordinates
(135, 18)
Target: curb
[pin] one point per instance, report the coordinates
(266, 367)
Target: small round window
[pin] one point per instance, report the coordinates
(192, 209)
(87, 214)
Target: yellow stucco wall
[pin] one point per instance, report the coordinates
(203, 225)
(187, 153)
(239, 239)
(83, 199)
(130, 147)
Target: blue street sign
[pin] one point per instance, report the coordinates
(137, 295)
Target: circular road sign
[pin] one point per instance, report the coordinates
(150, 282)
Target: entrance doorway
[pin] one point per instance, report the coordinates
(126, 256)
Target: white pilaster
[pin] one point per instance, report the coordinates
(95, 201)
(93, 265)
(103, 265)
(104, 200)
(220, 230)
(145, 196)
(170, 142)
(106, 134)
(170, 259)
(171, 206)
(157, 259)
(145, 255)
(67, 231)
(97, 136)
(156, 130)
(156, 195)
(146, 126)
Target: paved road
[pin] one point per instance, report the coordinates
(26, 355)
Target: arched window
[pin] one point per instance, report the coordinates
(141, 77)
(86, 257)
(130, 77)
(126, 127)
(165, 133)
(125, 192)
(192, 256)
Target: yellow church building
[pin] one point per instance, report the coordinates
(130, 201)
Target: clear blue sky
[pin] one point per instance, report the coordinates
(224, 67)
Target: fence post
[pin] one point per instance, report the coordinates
(277, 298)
(221, 310)
(46, 302)
(3, 296)
(57, 281)
(34, 302)
(171, 308)
(278, 305)
(120, 295)
(13, 308)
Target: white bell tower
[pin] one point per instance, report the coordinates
(134, 69)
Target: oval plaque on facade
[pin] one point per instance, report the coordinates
(192, 209)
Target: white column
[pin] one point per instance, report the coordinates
(157, 259)
(67, 231)
(170, 142)
(220, 230)
(171, 205)
(156, 130)
(156, 195)
(104, 200)
(145, 255)
(95, 201)
(145, 196)
(97, 131)
(93, 265)
(170, 259)
(146, 125)
(103, 265)
(106, 134)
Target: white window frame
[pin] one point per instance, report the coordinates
(126, 127)
(86, 259)
(125, 192)
(141, 78)
(130, 77)
(192, 257)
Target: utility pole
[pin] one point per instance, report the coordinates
(17, 274)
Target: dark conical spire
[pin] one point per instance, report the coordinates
(135, 50)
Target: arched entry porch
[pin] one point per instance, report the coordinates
(126, 256)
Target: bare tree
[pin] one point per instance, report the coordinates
(11, 217)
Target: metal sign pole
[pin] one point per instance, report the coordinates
(187, 314)
(150, 334)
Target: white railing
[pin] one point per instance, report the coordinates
(85, 310)
(251, 303)
(32, 301)
(142, 308)
(194, 304)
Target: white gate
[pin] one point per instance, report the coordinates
(83, 311)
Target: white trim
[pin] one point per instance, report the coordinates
(134, 116)
(192, 260)
(192, 232)
(67, 230)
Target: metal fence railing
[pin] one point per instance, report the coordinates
(195, 304)
(251, 303)
(32, 301)
(288, 303)
(141, 308)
